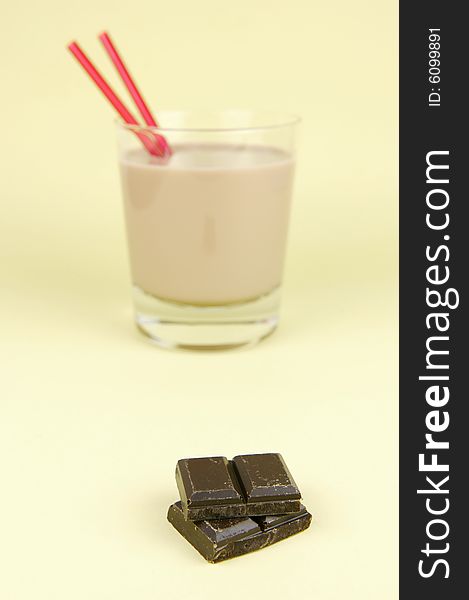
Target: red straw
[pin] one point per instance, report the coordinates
(152, 145)
(131, 86)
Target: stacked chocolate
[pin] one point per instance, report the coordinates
(232, 507)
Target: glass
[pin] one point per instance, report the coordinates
(207, 229)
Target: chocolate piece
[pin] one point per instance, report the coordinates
(249, 485)
(268, 486)
(218, 540)
(209, 488)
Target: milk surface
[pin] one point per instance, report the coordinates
(210, 226)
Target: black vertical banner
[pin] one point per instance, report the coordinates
(434, 252)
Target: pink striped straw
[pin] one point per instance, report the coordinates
(151, 144)
(131, 86)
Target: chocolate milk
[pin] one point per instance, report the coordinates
(209, 227)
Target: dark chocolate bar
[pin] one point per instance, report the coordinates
(249, 485)
(218, 540)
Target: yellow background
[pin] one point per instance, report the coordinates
(92, 417)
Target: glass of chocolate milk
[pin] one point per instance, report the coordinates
(207, 227)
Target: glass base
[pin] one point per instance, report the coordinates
(220, 327)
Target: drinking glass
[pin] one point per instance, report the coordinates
(207, 227)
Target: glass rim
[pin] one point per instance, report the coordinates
(279, 119)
